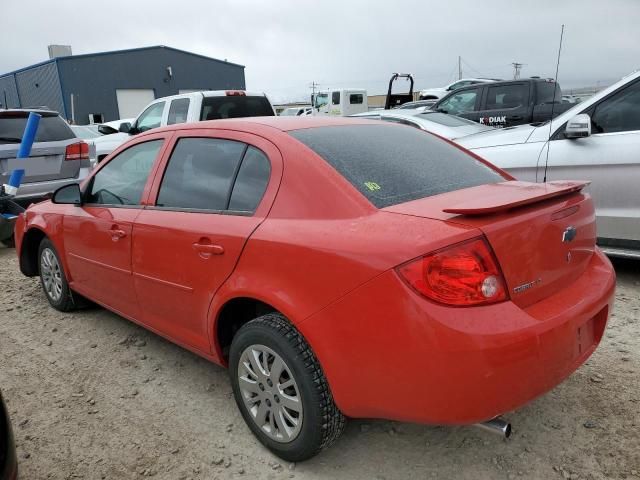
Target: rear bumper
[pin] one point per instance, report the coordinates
(389, 353)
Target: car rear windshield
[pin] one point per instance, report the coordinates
(235, 106)
(50, 129)
(392, 164)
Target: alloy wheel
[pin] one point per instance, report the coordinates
(51, 274)
(270, 393)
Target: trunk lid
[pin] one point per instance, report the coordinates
(543, 234)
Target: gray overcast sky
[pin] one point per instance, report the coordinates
(285, 44)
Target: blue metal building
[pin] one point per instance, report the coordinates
(111, 85)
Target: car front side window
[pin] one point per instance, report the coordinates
(459, 102)
(618, 113)
(122, 180)
(150, 118)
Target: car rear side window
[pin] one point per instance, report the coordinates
(200, 174)
(507, 96)
(251, 181)
(547, 92)
(50, 129)
(122, 180)
(391, 164)
(178, 111)
(235, 106)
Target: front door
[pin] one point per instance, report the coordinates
(97, 235)
(207, 204)
(610, 159)
(463, 103)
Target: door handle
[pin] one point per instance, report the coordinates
(117, 234)
(515, 117)
(207, 249)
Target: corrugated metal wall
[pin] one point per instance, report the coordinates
(40, 86)
(94, 79)
(8, 92)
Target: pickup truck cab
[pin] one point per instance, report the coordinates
(188, 108)
(507, 103)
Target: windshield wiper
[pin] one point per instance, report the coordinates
(10, 139)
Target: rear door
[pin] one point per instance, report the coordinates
(213, 191)
(505, 105)
(97, 235)
(610, 159)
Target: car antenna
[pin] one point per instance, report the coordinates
(555, 87)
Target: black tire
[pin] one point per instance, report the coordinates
(65, 302)
(322, 422)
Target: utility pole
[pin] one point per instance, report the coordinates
(459, 67)
(313, 87)
(516, 70)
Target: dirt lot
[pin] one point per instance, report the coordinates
(93, 396)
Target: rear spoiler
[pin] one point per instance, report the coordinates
(498, 197)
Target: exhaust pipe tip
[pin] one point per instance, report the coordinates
(497, 426)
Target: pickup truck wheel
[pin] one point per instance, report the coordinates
(281, 390)
(53, 279)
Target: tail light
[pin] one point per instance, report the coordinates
(462, 275)
(235, 93)
(77, 151)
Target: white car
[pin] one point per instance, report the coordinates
(442, 124)
(296, 111)
(438, 93)
(596, 140)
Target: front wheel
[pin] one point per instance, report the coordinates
(281, 390)
(53, 279)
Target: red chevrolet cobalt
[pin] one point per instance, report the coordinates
(338, 267)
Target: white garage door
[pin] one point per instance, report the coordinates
(131, 101)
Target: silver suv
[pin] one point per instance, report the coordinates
(57, 158)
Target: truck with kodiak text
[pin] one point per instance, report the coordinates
(506, 103)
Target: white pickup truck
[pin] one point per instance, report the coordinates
(186, 108)
(596, 140)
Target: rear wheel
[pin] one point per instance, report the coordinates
(281, 390)
(53, 279)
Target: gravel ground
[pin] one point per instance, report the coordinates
(93, 396)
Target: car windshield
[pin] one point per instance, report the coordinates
(321, 100)
(51, 128)
(289, 112)
(391, 164)
(86, 132)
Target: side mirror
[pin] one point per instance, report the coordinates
(68, 195)
(578, 127)
(106, 130)
(125, 127)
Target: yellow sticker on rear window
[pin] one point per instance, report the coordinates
(373, 186)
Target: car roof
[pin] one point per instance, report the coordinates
(210, 93)
(256, 124)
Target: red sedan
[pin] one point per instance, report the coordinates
(338, 267)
